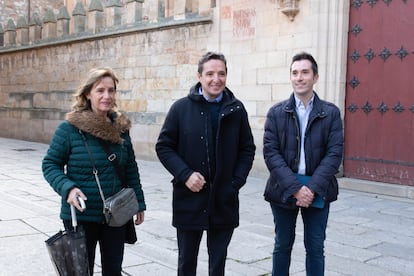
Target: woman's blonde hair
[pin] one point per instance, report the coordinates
(95, 75)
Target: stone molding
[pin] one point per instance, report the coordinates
(290, 8)
(97, 20)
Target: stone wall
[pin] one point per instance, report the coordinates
(156, 55)
(35, 97)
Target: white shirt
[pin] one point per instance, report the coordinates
(303, 116)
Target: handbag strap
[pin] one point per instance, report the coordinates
(114, 160)
(94, 170)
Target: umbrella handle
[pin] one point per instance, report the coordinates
(82, 203)
(73, 212)
(73, 215)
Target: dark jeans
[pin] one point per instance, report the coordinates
(188, 246)
(111, 244)
(314, 223)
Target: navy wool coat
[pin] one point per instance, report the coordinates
(183, 147)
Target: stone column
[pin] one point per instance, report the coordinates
(133, 12)
(10, 34)
(192, 6)
(63, 20)
(49, 25)
(79, 18)
(114, 13)
(22, 31)
(331, 49)
(168, 8)
(179, 9)
(35, 28)
(204, 7)
(96, 16)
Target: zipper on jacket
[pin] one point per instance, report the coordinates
(206, 125)
(298, 138)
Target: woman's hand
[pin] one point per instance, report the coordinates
(73, 196)
(139, 218)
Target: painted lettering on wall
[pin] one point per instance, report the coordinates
(244, 23)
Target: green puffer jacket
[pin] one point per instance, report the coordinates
(67, 163)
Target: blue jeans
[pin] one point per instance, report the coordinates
(314, 223)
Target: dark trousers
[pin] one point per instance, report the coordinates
(111, 244)
(314, 223)
(188, 246)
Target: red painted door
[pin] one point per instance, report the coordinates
(379, 115)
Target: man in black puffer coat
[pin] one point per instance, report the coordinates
(207, 145)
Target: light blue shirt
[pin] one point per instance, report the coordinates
(217, 100)
(303, 116)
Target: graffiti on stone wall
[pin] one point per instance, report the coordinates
(244, 23)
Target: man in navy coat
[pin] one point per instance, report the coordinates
(207, 145)
(302, 147)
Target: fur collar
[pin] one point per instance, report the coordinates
(97, 126)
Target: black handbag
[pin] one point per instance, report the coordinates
(130, 232)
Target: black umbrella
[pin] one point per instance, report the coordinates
(67, 250)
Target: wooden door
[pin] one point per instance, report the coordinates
(379, 102)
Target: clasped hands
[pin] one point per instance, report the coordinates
(304, 197)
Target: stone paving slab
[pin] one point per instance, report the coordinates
(24, 254)
(368, 234)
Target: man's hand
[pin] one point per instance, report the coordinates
(195, 182)
(304, 197)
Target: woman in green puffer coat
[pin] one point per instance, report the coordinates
(68, 169)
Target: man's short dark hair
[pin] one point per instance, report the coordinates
(209, 56)
(307, 56)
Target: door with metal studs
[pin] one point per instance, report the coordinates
(379, 102)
